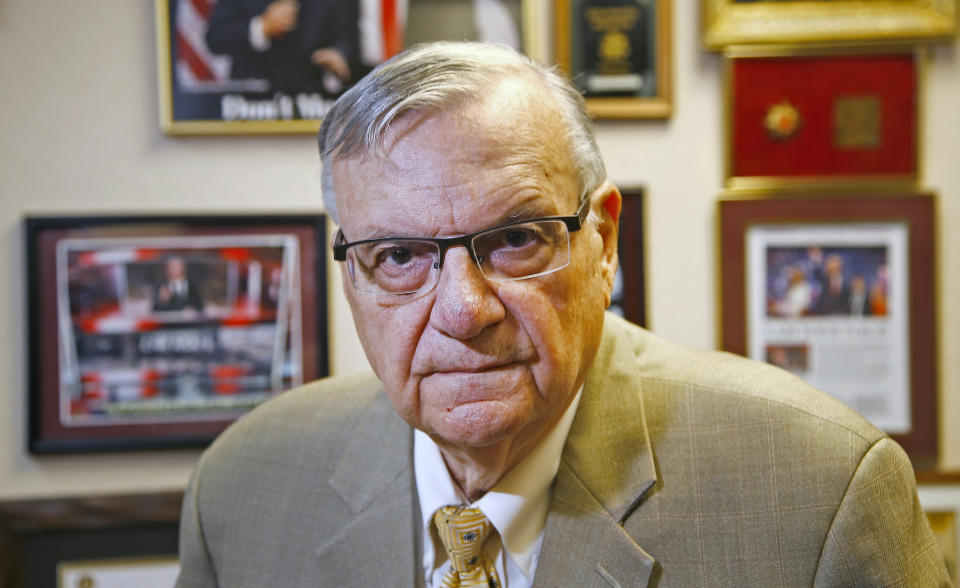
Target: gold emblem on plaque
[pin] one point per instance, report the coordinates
(615, 45)
(856, 122)
(782, 121)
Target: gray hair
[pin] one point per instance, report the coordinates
(437, 75)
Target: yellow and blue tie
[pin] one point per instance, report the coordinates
(463, 531)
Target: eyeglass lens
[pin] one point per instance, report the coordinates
(403, 266)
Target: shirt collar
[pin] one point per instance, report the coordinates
(516, 506)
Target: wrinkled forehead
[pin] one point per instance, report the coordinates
(514, 127)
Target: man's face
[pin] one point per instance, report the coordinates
(475, 362)
(176, 268)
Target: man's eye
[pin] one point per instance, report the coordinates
(517, 237)
(400, 255)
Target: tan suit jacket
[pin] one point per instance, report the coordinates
(682, 468)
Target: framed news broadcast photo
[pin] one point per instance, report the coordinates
(823, 117)
(226, 67)
(731, 22)
(149, 332)
(839, 290)
(618, 52)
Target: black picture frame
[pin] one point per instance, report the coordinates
(109, 368)
(629, 297)
(38, 535)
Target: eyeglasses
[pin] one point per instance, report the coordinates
(513, 251)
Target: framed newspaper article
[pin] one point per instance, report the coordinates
(618, 53)
(91, 541)
(839, 290)
(629, 298)
(730, 22)
(276, 66)
(823, 117)
(159, 331)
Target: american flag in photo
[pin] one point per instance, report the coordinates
(196, 67)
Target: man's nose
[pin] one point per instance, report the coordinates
(464, 303)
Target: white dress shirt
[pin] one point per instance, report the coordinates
(516, 506)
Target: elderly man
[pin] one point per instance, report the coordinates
(513, 434)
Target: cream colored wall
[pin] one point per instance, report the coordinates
(79, 134)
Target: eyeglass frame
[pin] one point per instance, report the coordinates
(573, 223)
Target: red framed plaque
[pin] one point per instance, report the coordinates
(822, 117)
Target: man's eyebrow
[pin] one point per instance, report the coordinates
(528, 210)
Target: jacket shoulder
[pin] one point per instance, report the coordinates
(322, 410)
(724, 385)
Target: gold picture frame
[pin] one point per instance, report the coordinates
(217, 104)
(659, 104)
(729, 22)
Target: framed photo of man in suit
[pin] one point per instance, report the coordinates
(839, 290)
(276, 66)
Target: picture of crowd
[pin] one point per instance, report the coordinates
(827, 281)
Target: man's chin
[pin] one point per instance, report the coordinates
(475, 425)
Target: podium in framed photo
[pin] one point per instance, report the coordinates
(160, 331)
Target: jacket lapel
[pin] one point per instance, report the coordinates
(375, 478)
(606, 469)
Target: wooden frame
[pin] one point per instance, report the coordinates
(158, 331)
(907, 295)
(729, 22)
(37, 535)
(635, 103)
(812, 84)
(197, 95)
(630, 293)
(939, 494)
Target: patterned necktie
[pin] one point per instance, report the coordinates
(463, 531)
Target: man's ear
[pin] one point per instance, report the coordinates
(607, 203)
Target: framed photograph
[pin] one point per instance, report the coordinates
(276, 66)
(629, 298)
(822, 117)
(730, 22)
(618, 53)
(90, 542)
(839, 290)
(149, 332)
(939, 494)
